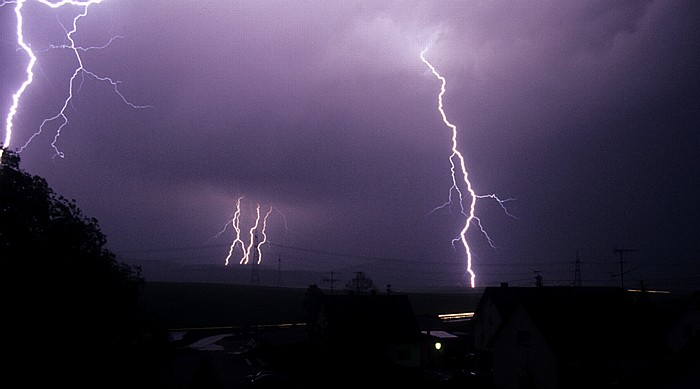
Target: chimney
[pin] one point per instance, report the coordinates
(504, 284)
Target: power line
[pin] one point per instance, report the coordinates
(341, 254)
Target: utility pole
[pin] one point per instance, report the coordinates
(279, 270)
(577, 270)
(331, 280)
(622, 264)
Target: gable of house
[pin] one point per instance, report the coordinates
(685, 326)
(495, 307)
(521, 355)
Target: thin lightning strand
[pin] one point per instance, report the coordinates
(456, 154)
(264, 234)
(79, 70)
(112, 39)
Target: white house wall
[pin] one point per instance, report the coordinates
(486, 322)
(513, 362)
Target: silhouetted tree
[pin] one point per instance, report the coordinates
(70, 310)
(359, 283)
(538, 280)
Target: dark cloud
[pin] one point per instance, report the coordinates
(584, 112)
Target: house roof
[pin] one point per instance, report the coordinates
(506, 299)
(574, 321)
(581, 321)
(385, 318)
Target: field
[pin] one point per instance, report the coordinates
(175, 305)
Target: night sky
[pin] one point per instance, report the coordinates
(585, 113)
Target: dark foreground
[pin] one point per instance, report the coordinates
(283, 358)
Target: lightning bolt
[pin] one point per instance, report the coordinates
(253, 237)
(79, 70)
(264, 234)
(457, 161)
(254, 245)
(236, 226)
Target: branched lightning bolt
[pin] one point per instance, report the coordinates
(254, 246)
(30, 75)
(457, 159)
(80, 70)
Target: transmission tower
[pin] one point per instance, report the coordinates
(330, 280)
(254, 274)
(577, 270)
(279, 270)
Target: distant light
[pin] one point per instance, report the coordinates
(649, 291)
(456, 316)
(438, 345)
